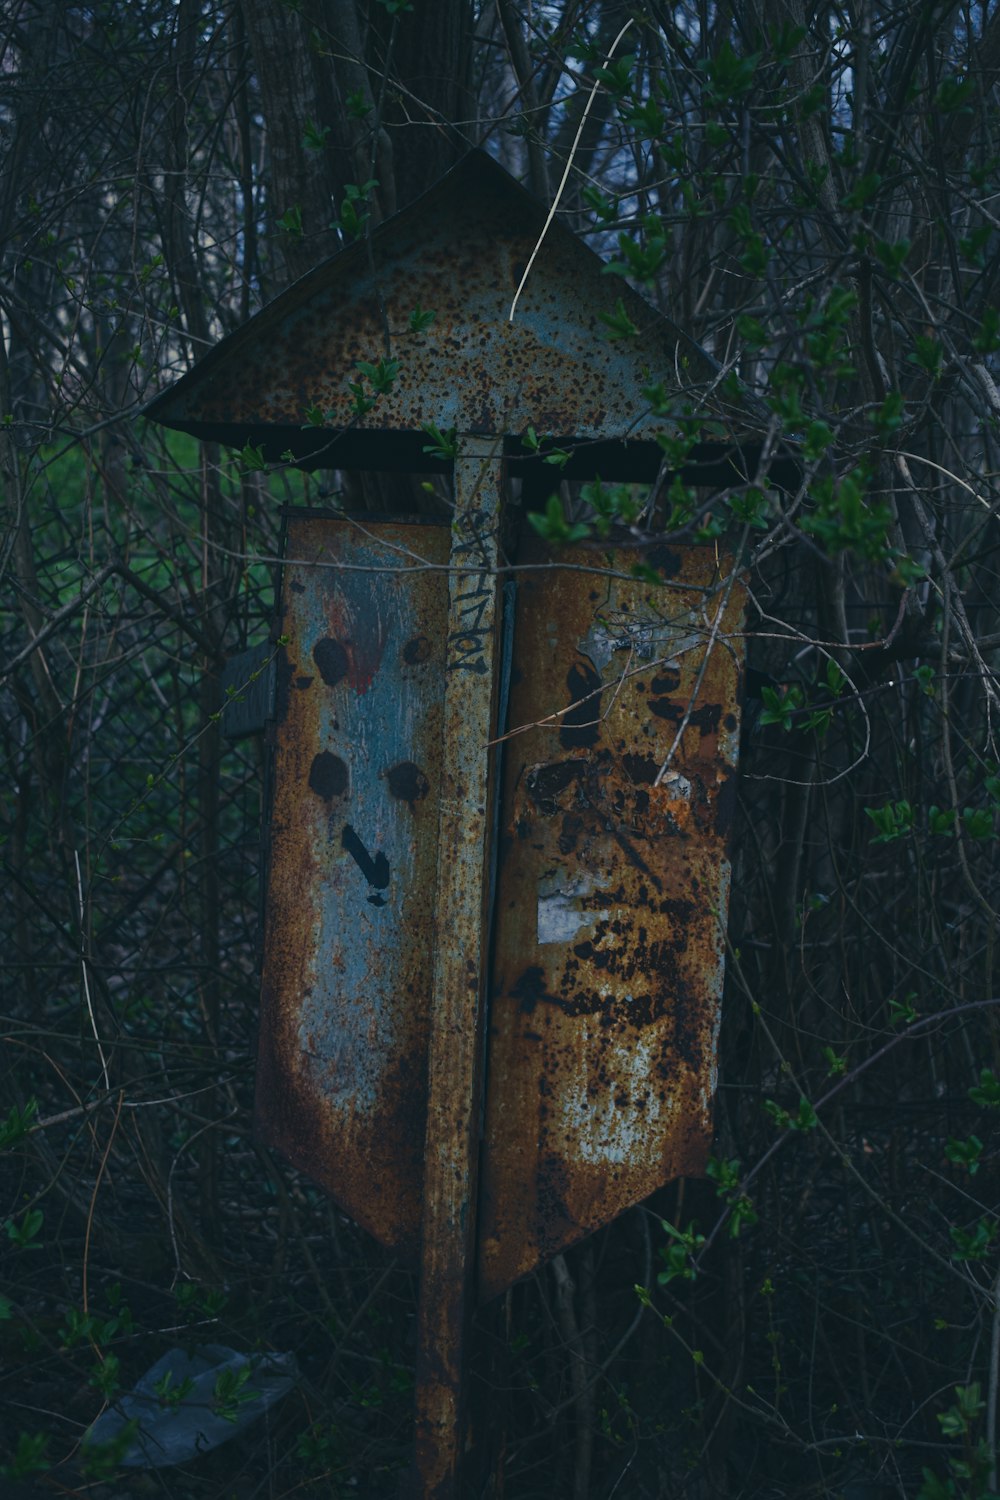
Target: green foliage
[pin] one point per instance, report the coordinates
(678, 1253)
(781, 705)
(18, 1123)
(618, 323)
(420, 318)
(729, 76)
(31, 1456)
(442, 444)
(355, 208)
(231, 1391)
(892, 821)
(844, 519)
(23, 1232)
(727, 1178)
(552, 526)
(986, 1093)
(973, 1243)
(377, 379)
(969, 1468)
(314, 136)
(291, 221)
(804, 1119)
(965, 1153)
(640, 257)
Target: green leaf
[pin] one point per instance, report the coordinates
(421, 318)
(974, 1243)
(965, 1153)
(926, 353)
(252, 456)
(553, 526)
(358, 106)
(291, 221)
(24, 1232)
(987, 340)
(891, 821)
(781, 704)
(978, 822)
(18, 1123)
(314, 136)
(618, 323)
(889, 417)
(986, 1093)
(940, 820)
(442, 444)
(892, 255)
(30, 1456)
(605, 209)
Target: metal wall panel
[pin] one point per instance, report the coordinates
(348, 939)
(612, 896)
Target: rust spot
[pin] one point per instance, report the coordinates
(582, 725)
(328, 776)
(407, 782)
(544, 783)
(416, 651)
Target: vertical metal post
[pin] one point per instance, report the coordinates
(455, 1065)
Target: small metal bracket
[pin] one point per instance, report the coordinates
(248, 686)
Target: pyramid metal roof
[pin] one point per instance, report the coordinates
(459, 253)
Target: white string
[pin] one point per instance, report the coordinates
(565, 175)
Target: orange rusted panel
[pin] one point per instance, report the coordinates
(612, 897)
(348, 941)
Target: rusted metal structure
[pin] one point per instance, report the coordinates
(485, 1120)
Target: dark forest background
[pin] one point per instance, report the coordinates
(813, 192)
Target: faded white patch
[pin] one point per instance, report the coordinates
(678, 785)
(560, 918)
(606, 1133)
(561, 914)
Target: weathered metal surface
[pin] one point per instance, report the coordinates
(247, 683)
(357, 780)
(458, 253)
(612, 896)
(455, 1067)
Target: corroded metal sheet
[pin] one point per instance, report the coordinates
(458, 993)
(612, 897)
(439, 279)
(341, 1085)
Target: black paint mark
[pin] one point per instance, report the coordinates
(296, 587)
(635, 858)
(705, 719)
(328, 775)
(640, 768)
(581, 725)
(664, 560)
(668, 681)
(544, 783)
(331, 659)
(407, 782)
(303, 682)
(375, 871)
(530, 989)
(416, 651)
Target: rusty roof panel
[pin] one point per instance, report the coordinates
(612, 895)
(459, 253)
(343, 1044)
